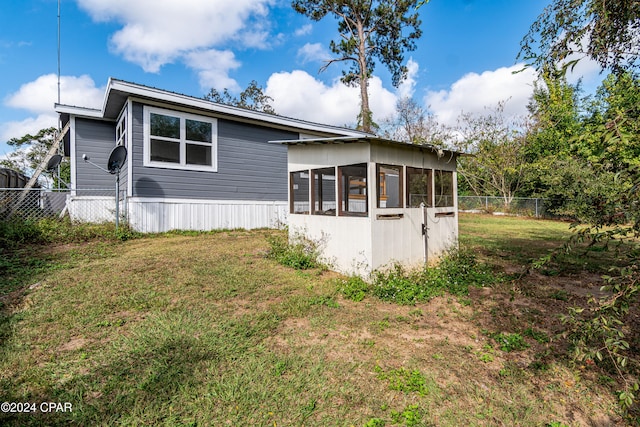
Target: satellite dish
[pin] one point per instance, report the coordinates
(116, 159)
(53, 162)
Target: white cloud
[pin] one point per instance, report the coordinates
(298, 94)
(38, 98)
(474, 92)
(213, 68)
(40, 95)
(157, 32)
(408, 85)
(304, 30)
(313, 52)
(30, 125)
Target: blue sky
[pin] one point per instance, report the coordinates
(463, 62)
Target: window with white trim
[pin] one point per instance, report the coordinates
(121, 129)
(178, 140)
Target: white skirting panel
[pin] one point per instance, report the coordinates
(92, 208)
(160, 215)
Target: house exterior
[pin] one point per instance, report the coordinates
(369, 203)
(191, 164)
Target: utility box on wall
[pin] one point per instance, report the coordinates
(370, 203)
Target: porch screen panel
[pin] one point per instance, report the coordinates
(389, 186)
(419, 187)
(299, 192)
(324, 191)
(353, 190)
(443, 188)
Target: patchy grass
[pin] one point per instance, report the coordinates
(517, 242)
(183, 329)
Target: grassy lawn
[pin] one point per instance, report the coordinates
(203, 329)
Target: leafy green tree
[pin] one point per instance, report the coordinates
(252, 98)
(611, 135)
(370, 31)
(552, 171)
(569, 30)
(31, 150)
(554, 111)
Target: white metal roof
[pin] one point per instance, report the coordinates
(118, 91)
(365, 139)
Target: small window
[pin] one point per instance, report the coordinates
(324, 191)
(443, 188)
(353, 190)
(299, 192)
(389, 186)
(419, 187)
(121, 129)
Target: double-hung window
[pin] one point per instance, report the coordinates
(178, 140)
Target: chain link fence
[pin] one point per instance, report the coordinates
(98, 205)
(517, 206)
(87, 205)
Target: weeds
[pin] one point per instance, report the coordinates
(510, 342)
(353, 288)
(404, 380)
(16, 233)
(374, 422)
(455, 273)
(411, 416)
(302, 254)
(539, 336)
(325, 300)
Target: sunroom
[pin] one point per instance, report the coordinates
(370, 203)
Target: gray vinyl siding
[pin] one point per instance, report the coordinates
(96, 139)
(249, 168)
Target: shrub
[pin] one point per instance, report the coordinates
(302, 254)
(18, 231)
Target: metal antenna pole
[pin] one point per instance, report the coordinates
(59, 122)
(117, 198)
(58, 58)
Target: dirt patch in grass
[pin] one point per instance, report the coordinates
(74, 344)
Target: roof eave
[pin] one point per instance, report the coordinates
(133, 89)
(78, 111)
(365, 139)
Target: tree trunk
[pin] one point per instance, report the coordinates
(365, 112)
